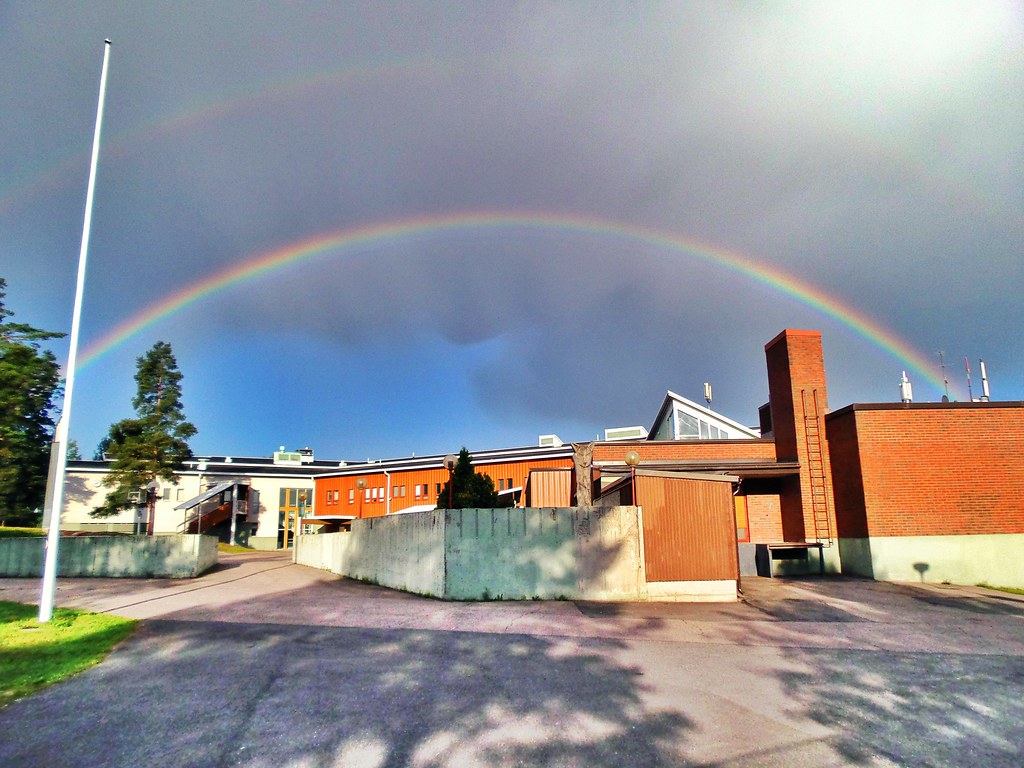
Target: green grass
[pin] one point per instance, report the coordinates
(1011, 590)
(232, 548)
(11, 533)
(34, 655)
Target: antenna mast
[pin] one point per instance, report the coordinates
(945, 380)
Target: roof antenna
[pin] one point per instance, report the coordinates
(984, 382)
(970, 395)
(945, 380)
(707, 392)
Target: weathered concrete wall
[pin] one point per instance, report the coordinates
(325, 551)
(473, 554)
(126, 556)
(400, 551)
(994, 559)
(583, 552)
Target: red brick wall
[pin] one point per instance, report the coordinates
(796, 386)
(929, 469)
(765, 518)
(847, 487)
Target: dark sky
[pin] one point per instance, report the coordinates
(871, 150)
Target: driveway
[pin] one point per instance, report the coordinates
(265, 663)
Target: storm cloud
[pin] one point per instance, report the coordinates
(871, 150)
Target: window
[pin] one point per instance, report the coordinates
(509, 484)
(394, 491)
(403, 491)
(351, 495)
(336, 496)
(437, 488)
(686, 426)
(167, 493)
(501, 484)
(742, 518)
(181, 494)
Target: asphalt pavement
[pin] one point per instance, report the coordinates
(265, 663)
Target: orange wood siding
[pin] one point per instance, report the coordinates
(689, 529)
(550, 488)
(428, 479)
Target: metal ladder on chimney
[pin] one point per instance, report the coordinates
(816, 468)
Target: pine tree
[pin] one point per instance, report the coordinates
(29, 383)
(470, 489)
(153, 445)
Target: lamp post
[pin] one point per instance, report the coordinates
(632, 459)
(449, 464)
(361, 485)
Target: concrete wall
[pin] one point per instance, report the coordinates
(579, 553)
(993, 559)
(126, 556)
(400, 551)
(325, 551)
(473, 554)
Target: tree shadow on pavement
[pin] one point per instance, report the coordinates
(198, 694)
(914, 708)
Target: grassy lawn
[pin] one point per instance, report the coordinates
(233, 548)
(34, 655)
(11, 533)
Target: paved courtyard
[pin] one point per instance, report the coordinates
(265, 663)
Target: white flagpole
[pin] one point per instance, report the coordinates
(61, 437)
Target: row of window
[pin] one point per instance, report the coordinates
(420, 491)
(689, 427)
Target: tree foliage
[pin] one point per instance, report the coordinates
(154, 444)
(470, 489)
(29, 384)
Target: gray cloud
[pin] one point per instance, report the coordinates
(874, 154)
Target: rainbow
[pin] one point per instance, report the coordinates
(354, 238)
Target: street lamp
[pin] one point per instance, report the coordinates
(449, 464)
(632, 459)
(361, 485)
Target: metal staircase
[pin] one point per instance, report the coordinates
(814, 441)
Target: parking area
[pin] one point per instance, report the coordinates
(265, 663)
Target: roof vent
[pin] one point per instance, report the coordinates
(549, 441)
(287, 458)
(906, 391)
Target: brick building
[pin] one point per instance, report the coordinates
(931, 492)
